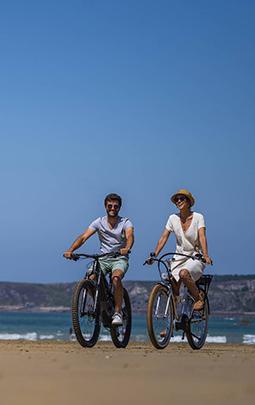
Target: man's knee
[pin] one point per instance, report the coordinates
(92, 277)
(116, 280)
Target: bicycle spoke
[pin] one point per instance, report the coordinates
(195, 336)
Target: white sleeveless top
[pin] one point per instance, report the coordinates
(186, 242)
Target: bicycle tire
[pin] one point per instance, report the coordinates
(121, 334)
(155, 329)
(195, 339)
(79, 316)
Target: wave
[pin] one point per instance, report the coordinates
(16, 336)
(249, 339)
(45, 337)
(34, 336)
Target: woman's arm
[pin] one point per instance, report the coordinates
(203, 244)
(162, 241)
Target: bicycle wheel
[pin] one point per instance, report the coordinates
(160, 316)
(121, 334)
(85, 316)
(197, 327)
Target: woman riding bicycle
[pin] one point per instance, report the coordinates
(189, 229)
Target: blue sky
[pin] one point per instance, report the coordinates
(139, 98)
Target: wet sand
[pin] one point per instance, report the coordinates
(64, 373)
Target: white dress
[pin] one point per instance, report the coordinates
(186, 243)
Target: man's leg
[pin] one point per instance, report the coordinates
(118, 289)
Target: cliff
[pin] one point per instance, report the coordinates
(226, 294)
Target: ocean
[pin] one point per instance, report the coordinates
(57, 326)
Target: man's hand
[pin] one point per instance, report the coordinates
(68, 255)
(124, 251)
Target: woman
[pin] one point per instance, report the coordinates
(189, 229)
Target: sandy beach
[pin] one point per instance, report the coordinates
(64, 373)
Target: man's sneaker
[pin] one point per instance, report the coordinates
(117, 319)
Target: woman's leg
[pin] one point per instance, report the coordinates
(187, 280)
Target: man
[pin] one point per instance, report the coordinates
(116, 234)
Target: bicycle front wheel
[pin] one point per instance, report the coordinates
(160, 316)
(85, 313)
(121, 334)
(197, 327)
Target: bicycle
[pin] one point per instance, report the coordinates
(93, 304)
(166, 313)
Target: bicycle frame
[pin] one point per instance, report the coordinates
(185, 298)
(103, 287)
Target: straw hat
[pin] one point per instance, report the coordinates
(186, 193)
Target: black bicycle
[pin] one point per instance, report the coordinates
(93, 305)
(167, 313)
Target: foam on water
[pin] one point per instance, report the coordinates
(249, 339)
(216, 339)
(17, 336)
(46, 337)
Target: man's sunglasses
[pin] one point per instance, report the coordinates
(113, 206)
(180, 198)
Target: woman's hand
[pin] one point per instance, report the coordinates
(208, 260)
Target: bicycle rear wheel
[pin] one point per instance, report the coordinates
(85, 316)
(160, 316)
(121, 334)
(197, 327)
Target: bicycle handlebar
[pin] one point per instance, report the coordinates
(198, 256)
(77, 256)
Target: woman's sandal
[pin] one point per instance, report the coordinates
(199, 304)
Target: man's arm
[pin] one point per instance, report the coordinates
(129, 232)
(79, 242)
(203, 243)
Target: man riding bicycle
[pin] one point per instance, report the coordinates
(116, 234)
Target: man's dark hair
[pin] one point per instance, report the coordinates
(111, 197)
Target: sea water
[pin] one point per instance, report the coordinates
(58, 326)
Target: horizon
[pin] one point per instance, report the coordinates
(129, 280)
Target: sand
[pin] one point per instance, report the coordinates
(65, 373)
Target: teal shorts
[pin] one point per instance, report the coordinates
(111, 264)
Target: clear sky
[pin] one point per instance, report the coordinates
(135, 97)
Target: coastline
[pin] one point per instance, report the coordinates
(48, 309)
(64, 372)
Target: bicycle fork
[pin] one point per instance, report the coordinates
(166, 308)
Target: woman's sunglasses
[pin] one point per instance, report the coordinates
(181, 199)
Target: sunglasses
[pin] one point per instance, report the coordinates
(181, 198)
(113, 206)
